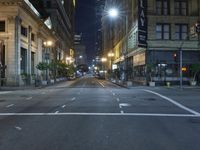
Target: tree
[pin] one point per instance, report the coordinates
(195, 69)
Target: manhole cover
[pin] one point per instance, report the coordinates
(150, 99)
(194, 120)
(23, 96)
(2, 100)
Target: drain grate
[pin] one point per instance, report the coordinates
(2, 100)
(150, 99)
(194, 120)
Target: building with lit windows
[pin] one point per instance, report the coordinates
(147, 43)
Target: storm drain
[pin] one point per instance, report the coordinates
(194, 121)
(150, 99)
(2, 100)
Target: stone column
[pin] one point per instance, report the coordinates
(29, 54)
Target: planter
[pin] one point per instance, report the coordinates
(44, 82)
(129, 84)
(193, 83)
(168, 84)
(152, 84)
(52, 81)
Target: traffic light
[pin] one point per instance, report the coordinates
(175, 57)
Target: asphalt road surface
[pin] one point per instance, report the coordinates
(92, 114)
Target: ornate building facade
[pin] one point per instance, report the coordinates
(152, 33)
(25, 27)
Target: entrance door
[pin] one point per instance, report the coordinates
(2, 63)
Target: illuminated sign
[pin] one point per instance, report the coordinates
(142, 23)
(48, 23)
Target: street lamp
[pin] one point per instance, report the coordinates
(111, 55)
(103, 60)
(114, 13)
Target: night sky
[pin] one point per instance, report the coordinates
(85, 24)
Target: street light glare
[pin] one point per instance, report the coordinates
(113, 12)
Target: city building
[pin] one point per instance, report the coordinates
(32, 32)
(61, 17)
(80, 50)
(99, 7)
(147, 38)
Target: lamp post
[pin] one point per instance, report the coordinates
(111, 55)
(48, 45)
(103, 60)
(114, 13)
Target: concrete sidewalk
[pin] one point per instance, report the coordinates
(31, 87)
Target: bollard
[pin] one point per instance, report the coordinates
(168, 84)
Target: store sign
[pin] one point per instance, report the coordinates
(142, 23)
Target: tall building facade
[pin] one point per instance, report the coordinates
(61, 15)
(99, 9)
(148, 35)
(25, 27)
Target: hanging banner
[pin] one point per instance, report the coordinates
(142, 23)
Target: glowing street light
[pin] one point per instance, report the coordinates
(113, 12)
(103, 59)
(111, 54)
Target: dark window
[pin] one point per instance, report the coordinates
(162, 7)
(32, 63)
(32, 37)
(23, 60)
(24, 31)
(163, 31)
(180, 7)
(2, 26)
(181, 31)
(48, 3)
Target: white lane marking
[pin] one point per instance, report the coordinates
(18, 128)
(56, 112)
(29, 98)
(100, 114)
(118, 99)
(7, 92)
(113, 94)
(174, 102)
(101, 84)
(122, 112)
(43, 92)
(73, 99)
(63, 106)
(124, 104)
(9, 105)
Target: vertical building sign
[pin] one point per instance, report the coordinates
(142, 23)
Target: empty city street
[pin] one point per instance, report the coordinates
(88, 114)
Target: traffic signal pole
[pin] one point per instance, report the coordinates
(181, 66)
